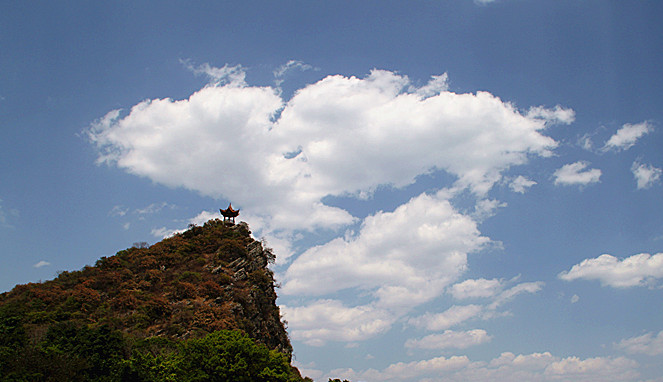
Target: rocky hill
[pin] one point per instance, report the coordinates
(208, 279)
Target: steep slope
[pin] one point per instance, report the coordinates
(208, 278)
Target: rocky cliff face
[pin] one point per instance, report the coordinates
(208, 278)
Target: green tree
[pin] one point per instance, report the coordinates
(91, 354)
(231, 356)
(224, 356)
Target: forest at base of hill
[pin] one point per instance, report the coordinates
(68, 352)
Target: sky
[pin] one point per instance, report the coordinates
(455, 190)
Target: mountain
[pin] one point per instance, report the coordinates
(145, 313)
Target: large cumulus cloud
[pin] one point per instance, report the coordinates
(338, 136)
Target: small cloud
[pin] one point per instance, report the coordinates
(553, 116)
(126, 225)
(231, 75)
(285, 68)
(118, 210)
(645, 175)
(520, 184)
(586, 142)
(626, 137)
(575, 174)
(575, 298)
(42, 263)
(637, 270)
(154, 208)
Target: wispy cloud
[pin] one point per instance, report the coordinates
(154, 208)
(649, 344)
(118, 210)
(291, 65)
(6, 215)
(230, 75)
(626, 137)
(42, 263)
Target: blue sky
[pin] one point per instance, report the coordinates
(455, 190)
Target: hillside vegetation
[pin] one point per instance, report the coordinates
(198, 306)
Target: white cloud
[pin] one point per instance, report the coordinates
(42, 263)
(398, 259)
(637, 270)
(646, 175)
(648, 344)
(520, 184)
(575, 298)
(223, 141)
(592, 369)
(508, 367)
(476, 288)
(450, 339)
(447, 319)
(231, 75)
(402, 371)
(626, 137)
(330, 320)
(575, 174)
(406, 256)
(556, 115)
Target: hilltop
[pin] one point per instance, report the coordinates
(145, 312)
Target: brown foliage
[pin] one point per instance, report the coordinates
(181, 286)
